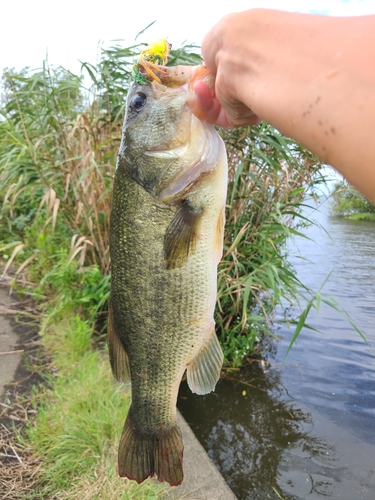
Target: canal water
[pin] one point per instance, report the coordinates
(304, 427)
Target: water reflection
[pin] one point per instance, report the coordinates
(259, 438)
(307, 428)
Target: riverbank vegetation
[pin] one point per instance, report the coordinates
(69, 449)
(58, 146)
(59, 137)
(79, 419)
(349, 203)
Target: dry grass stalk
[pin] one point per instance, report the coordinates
(18, 466)
(263, 174)
(88, 176)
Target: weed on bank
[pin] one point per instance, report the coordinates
(80, 414)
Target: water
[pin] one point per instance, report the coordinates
(305, 428)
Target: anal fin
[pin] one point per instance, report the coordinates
(204, 371)
(181, 235)
(118, 356)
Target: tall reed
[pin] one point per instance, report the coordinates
(58, 147)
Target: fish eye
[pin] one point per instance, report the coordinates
(138, 101)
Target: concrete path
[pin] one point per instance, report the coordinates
(9, 360)
(202, 481)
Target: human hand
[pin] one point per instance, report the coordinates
(221, 113)
(220, 49)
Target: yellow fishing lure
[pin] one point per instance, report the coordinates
(156, 53)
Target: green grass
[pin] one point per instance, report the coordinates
(362, 216)
(80, 414)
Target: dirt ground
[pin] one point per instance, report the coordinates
(19, 371)
(18, 341)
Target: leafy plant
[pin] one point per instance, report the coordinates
(58, 147)
(269, 176)
(57, 150)
(346, 200)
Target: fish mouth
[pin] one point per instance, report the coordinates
(174, 76)
(167, 153)
(181, 79)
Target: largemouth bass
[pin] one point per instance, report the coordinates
(166, 239)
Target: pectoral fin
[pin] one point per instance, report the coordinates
(118, 357)
(204, 371)
(181, 235)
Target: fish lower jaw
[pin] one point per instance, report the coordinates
(166, 153)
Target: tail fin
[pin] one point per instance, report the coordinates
(143, 455)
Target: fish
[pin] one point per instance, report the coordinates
(166, 240)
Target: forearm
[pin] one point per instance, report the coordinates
(313, 78)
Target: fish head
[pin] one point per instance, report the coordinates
(163, 141)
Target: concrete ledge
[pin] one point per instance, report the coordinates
(202, 480)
